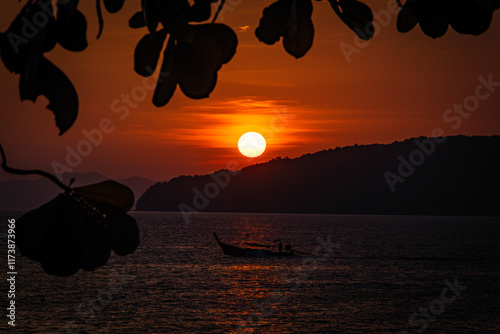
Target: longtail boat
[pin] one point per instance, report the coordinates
(251, 252)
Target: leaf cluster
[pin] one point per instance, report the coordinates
(472, 17)
(193, 54)
(190, 50)
(79, 228)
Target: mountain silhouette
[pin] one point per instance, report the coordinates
(21, 194)
(455, 175)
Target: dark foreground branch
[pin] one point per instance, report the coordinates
(30, 172)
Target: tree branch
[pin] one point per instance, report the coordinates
(30, 172)
(99, 17)
(218, 10)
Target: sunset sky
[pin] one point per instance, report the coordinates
(398, 86)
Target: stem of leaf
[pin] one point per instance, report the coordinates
(99, 17)
(218, 10)
(30, 172)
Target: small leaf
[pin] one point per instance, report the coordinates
(57, 88)
(195, 69)
(33, 57)
(197, 85)
(147, 52)
(489, 5)
(113, 6)
(121, 233)
(137, 20)
(32, 227)
(273, 23)
(151, 14)
(17, 48)
(197, 63)
(167, 82)
(225, 37)
(173, 17)
(66, 9)
(407, 17)
(299, 35)
(200, 11)
(73, 34)
(433, 17)
(12, 50)
(109, 192)
(50, 35)
(468, 17)
(356, 15)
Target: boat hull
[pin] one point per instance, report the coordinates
(249, 252)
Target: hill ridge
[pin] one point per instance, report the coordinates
(453, 175)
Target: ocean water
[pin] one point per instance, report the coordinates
(366, 274)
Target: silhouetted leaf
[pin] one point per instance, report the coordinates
(32, 226)
(73, 231)
(66, 9)
(137, 21)
(121, 232)
(73, 34)
(38, 75)
(12, 59)
(196, 84)
(290, 20)
(75, 239)
(173, 17)
(167, 82)
(468, 17)
(151, 14)
(148, 51)
(200, 11)
(50, 35)
(273, 23)
(433, 17)
(195, 70)
(197, 63)
(23, 43)
(356, 15)
(407, 17)
(59, 237)
(225, 37)
(51, 82)
(109, 192)
(113, 6)
(33, 57)
(299, 35)
(489, 5)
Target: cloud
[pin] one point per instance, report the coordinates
(284, 123)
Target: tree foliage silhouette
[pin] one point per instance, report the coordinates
(195, 49)
(471, 17)
(80, 227)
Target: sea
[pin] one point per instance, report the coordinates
(354, 274)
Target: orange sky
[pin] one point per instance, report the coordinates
(398, 86)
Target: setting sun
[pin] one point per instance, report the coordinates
(252, 144)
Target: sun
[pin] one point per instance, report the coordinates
(252, 144)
